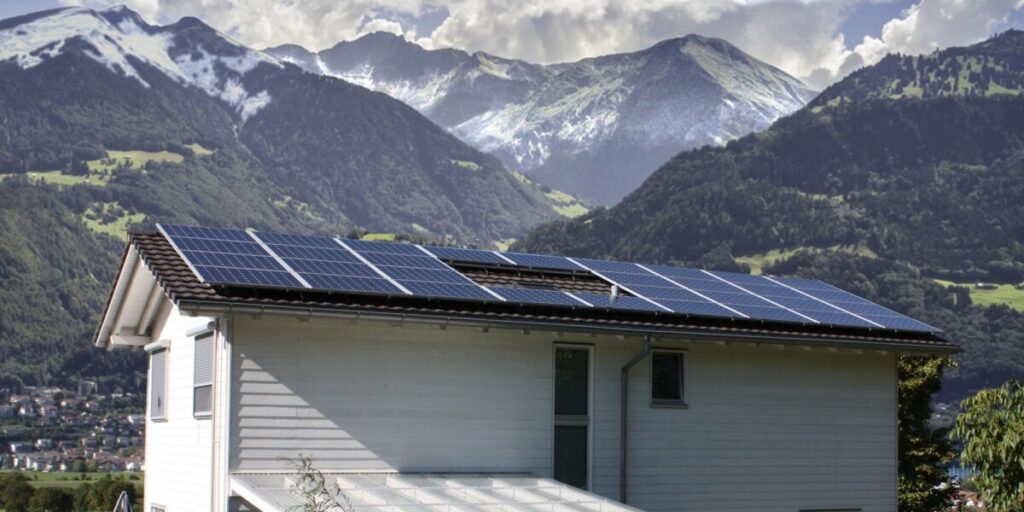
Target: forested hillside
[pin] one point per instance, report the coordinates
(882, 195)
(118, 122)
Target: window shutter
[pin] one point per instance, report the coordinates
(204, 361)
(158, 384)
(202, 384)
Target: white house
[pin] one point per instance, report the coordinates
(421, 378)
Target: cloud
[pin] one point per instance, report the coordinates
(800, 36)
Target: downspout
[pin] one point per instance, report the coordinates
(624, 415)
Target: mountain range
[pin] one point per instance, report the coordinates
(596, 127)
(108, 121)
(902, 182)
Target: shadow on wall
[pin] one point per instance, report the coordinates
(390, 398)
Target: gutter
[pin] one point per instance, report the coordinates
(207, 308)
(624, 416)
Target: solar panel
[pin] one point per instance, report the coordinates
(796, 301)
(855, 305)
(647, 285)
(236, 257)
(541, 261)
(228, 257)
(534, 296)
(467, 255)
(364, 246)
(326, 265)
(418, 271)
(601, 300)
(729, 295)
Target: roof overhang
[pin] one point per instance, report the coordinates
(200, 308)
(135, 306)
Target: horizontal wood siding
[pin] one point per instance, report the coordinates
(374, 397)
(766, 429)
(179, 452)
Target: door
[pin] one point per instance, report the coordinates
(572, 415)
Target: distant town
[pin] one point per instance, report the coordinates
(62, 430)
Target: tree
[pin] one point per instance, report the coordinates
(15, 492)
(104, 492)
(50, 499)
(991, 428)
(923, 451)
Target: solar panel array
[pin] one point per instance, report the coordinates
(235, 257)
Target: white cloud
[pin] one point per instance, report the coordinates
(799, 36)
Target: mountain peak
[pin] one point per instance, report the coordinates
(188, 52)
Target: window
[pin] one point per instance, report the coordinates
(157, 508)
(202, 385)
(158, 384)
(667, 379)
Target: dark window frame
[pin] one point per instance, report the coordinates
(670, 403)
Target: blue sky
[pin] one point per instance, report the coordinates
(818, 41)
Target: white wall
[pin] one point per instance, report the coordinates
(179, 449)
(767, 429)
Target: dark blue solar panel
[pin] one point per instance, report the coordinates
(242, 276)
(351, 284)
(219, 246)
(857, 305)
(383, 247)
(229, 256)
(466, 255)
(600, 300)
(447, 290)
(603, 266)
(298, 240)
(419, 272)
(728, 295)
(338, 254)
(213, 259)
(382, 259)
(536, 296)
(541, 261)
(796, 301)
(644, 283)
(326, 265)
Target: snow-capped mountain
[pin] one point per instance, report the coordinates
(79, 83)
(596, 127)
(187, 52)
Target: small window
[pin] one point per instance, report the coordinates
(157, 508)
(202, 385)
(158, 384)
(667, 379)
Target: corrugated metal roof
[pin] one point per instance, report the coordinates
(184, 288)
(427, 492)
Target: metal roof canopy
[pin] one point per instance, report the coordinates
(427, 492)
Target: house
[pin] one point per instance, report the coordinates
(432, 378)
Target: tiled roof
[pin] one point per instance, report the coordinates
(184, 288)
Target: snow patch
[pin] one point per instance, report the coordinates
(31, 43)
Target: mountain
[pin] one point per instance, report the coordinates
(596, 127)
(108, 121)
(908, 199)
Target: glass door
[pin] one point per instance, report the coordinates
(572, 415)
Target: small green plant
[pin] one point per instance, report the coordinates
(317, 495)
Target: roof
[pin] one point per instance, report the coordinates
(418, 492)
(183, 287)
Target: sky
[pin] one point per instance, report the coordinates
(818, 41)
